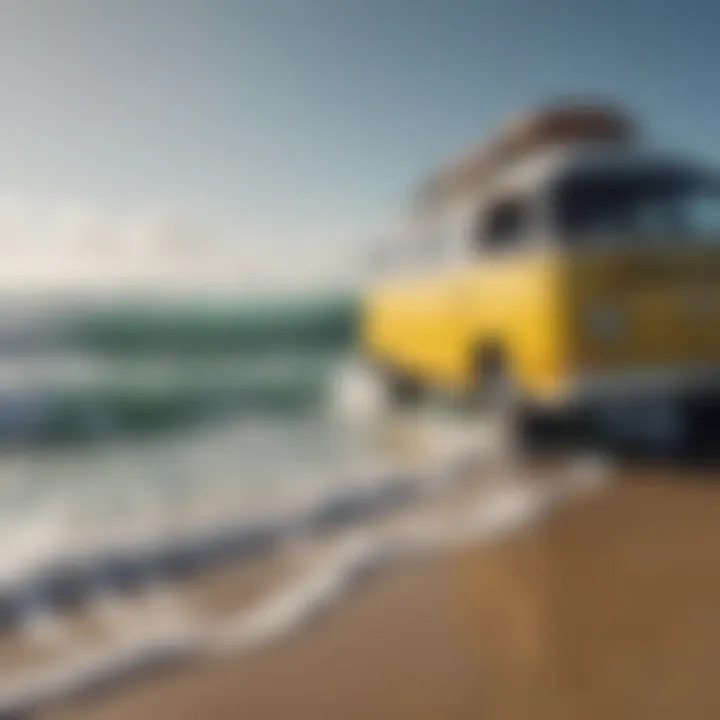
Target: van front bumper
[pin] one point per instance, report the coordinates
(636, 385)
(649, 407)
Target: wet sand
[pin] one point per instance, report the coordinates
(609, 608)
(217, 595)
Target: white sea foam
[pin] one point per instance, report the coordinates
(509, 508)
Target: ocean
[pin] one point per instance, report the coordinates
(123, 423)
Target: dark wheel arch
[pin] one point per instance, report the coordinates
(402, 387)
(490, 367)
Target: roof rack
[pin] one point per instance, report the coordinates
(531, 131)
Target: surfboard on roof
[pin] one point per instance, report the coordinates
(553, 126)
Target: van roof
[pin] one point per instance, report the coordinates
(547, 127)
(546, 165)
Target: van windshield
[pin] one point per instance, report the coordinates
(650, 205)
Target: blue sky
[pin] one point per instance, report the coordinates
(304, 123)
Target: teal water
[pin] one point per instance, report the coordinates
(83, 371)
(247, 325)
(121, 421)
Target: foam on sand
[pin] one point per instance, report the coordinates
(337, 567)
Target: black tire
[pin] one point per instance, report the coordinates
(494, 389)
(498, 395)
(403, 391)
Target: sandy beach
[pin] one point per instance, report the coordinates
(608, 608)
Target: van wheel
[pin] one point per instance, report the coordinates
(402, 390)
(499, 398)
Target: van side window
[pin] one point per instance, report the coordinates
(504, 225)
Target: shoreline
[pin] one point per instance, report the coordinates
(220, 615)
(607, 608)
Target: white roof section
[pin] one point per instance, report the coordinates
(545, 166)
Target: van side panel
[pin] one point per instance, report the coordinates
(434, 326)
(518, 304)
(409, 324)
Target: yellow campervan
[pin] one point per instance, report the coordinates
(563, 266)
